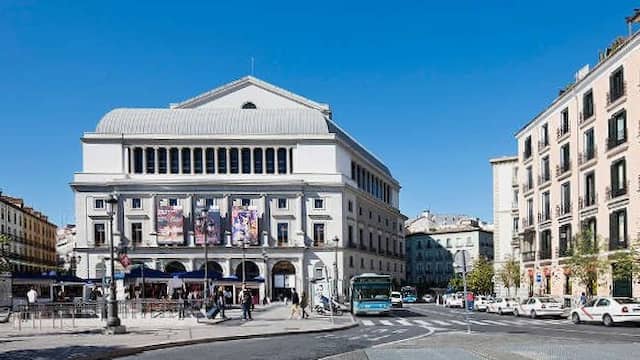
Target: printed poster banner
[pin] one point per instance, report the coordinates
(212, 231)
(170, 222)
(244, 225)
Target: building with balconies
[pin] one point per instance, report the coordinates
(595, 183)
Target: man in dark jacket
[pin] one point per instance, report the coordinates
(295, 304)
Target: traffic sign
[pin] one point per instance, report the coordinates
(538, 278)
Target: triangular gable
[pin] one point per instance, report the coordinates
(250, 89)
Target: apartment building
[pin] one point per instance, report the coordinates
(32, 238)
(578, 169)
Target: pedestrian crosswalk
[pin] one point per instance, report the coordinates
(457, 323)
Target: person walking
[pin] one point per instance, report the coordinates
(245, 300)
(304, 301)
(295, 303)
(221, 301)
(583, 299)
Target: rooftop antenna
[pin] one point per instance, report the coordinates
(252, 66)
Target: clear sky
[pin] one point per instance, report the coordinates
(434, 88)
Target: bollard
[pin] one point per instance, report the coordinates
(73, 319)
(53, 318)
(190, 335)
(20, 322)
(60, 313)
(33, 320)
(40, 319)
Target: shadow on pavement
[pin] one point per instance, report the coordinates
(58, 353)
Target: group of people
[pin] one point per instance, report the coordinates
(299, 305)
(221, 300)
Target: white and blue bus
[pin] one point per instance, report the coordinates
(370, 294)
(409, 294)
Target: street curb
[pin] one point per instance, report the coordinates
(136, 350)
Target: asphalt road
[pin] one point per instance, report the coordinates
(413, 321)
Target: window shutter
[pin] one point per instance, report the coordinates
(614, 179)
(613, 231)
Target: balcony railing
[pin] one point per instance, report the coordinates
(543, 145)
(616, 244)
(564, 250)
(614, 142)
(544, 254)
(587, 201)
(527, 186)
(614, 193)
(562, 131)
(544, 178)
(564, 209)
(583, 119)
(363, 246)
(587, 156)
(529, 256)
(563, 168)
(544, 216)
(527, 223)
(616, 94)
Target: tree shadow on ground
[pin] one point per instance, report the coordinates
(61, 353)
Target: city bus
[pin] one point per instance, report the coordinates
(409, 294)
(370, 294)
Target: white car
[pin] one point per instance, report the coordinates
(540, 306)
(428, 298)
(502, 306)
(396, 299)
(455, 300)
(607, 310)
(480, 303)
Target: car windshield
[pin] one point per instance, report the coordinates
(627, 301)
(549, 300)
(395, 295)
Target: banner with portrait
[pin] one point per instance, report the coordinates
(206, 227)
(170, 223)
(244, 225)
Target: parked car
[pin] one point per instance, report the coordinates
(608, 311)
(455, 301)
(480, 302)
(396, 299)
(428, 298)
(540, 306)
(502, 306)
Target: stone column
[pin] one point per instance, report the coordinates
(300, 231)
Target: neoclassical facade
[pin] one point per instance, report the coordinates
(322, 204)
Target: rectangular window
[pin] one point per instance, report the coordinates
(530, 211)
(246, 160)
(150, 160)
(589, 145)
(186, 161)
(282, 203)
(233, 161)
(565, 158)
(173, 202)
(350, 206)
(546, 170)
(136, 233)
(546, 206)
(616, 85)
(99, 234)
(283, 233)
(617, 130)
(618, 178)
(618, 230)
(590, 189)
(162, 161)
(318, 234)
(174, 160)
(246, 202)
(136, 203)
(97, 204)
(197, 160)
(222, 160)
(318, 204)
(210, 155)
(270, 155)
(527, 147)
(544, 135)
(350, 242)
(137, 160)
(282, 161)
(353, 170)
(257, 161)
(564, 122)
(565, 240)
(565, 198)
(545, 244)
(529, 178)
(587, 105)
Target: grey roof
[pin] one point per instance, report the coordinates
(214, 122)
(227, 122)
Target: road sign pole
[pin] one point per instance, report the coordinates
(464, 282)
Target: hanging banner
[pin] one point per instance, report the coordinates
(244, 225)
(212, 230)
(170, 223)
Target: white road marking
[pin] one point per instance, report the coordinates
(422, 322)
(378, 338)
(494, 322)
(439, 322)
(367, 323)
(478, 322)
(399, 331)
(386, 322)
(375, 331)
(403, 322)
(458, 322)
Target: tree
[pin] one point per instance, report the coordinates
(626, 263)
(5, 265)
(480, 279)
(456, 283)
(584, 262)
(509, 274)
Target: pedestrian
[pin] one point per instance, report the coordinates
(245, 300)
(32, 299)
(304, 301)
(221, 302)
(295, 303)
(583, 299)
(228, 298)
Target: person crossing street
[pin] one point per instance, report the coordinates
(246, 301)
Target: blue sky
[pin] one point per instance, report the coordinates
(434, 88)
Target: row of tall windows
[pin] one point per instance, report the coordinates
(209, 160)
(370, 183)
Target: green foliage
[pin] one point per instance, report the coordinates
(456, 283)
(480, 279)
(584, 263)
(626, 263)
(510, 274)
(5, 266)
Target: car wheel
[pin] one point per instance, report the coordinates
(516, 313)
(500, 311)
(533, 314)
(575, 318)
(607, 320)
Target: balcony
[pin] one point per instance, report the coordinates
(564, 209)
(587, 201)
(564, 250)
(616, 94)
(351, 245)
(585, 157)
(529, 256)
(526, 187)
(616, 193)
(563, 168)
(527, 223)
(617, 244)
(582, 119)
(542, 145)
(562, 131)
(544, 254)
(615, 142)
(544, 178)
(544, 216)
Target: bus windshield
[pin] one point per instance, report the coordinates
(408, 291)
(371, 292)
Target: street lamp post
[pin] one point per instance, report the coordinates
(113, 321)
(204, 223)
(244, 260)
(335, 269)
(265, 257)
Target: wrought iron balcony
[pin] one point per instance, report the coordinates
(587, 201)
(528, 256)
(616, 94)
(564, 209)
(563, 168)
(562, 131)
(544, 254)
(587, 156)
(615, 193)
(614, 142)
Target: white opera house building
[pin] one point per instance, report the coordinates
(257, 172)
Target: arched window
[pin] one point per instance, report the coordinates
(270, 161)
(257, 161)
(151, 160)
(249, 105)
(186, 161)
(246, 160)
(162, 161)
(137, 160)
(233, 160)
(210, 155)
(282, 161)
(174, 160)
